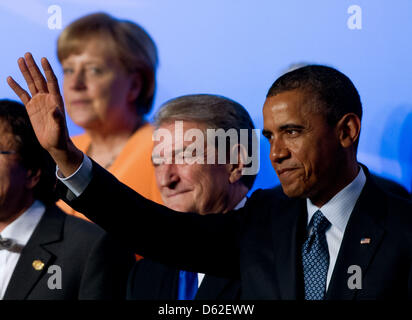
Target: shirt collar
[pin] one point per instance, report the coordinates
(22, 228)
(338, 209)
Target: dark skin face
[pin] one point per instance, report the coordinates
(16, 182)
(311, 158)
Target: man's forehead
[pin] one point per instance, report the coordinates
(178, 134)
(297, 101)
(184, 124)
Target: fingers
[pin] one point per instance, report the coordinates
(21, 93)
(35, 73)
(27, 76)
(35, 79)
(52, 84)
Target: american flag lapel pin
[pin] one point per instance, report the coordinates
(365, 241)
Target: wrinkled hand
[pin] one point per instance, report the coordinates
(46, 112)
(45, 105)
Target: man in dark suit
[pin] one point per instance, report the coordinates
(200, 187)
(45, 254)
(335, 236)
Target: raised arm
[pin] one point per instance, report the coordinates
(190, 241)
(45, 108)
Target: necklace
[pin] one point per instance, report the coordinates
(106, 164)
(114, 156)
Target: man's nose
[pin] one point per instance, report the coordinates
(278, 150)
(168, 176)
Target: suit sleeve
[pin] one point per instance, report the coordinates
(208, 244)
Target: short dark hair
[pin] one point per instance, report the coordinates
(216, 112)
(31, 154)
(334, 92)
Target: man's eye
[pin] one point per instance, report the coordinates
(268, 136)
(292, 132)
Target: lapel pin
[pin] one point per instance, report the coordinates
(365, 241)
(38, 265)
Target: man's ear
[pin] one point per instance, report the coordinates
(236, 169)
(33, 178)
(348, 129)
(135, 87)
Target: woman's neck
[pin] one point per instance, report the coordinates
(107, 143)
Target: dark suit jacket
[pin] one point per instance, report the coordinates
(261, 242)
(150, 280)
(391, 186)
(92, 265)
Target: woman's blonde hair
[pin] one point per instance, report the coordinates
(132, 45)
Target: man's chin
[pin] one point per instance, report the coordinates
(178, 206)
(293, 192)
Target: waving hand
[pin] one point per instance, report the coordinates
(45, 108)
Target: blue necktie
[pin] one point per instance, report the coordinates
(187, 285)
(315, 259)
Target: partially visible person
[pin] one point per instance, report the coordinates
(194, 186)
(44, 253)
(334, 222)
(385, 183)
(109, 68)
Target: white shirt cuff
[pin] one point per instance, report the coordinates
(80, 179)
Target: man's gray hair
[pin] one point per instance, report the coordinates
(216, 112)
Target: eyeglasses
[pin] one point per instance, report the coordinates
(8, 152)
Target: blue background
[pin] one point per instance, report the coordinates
(237, 48)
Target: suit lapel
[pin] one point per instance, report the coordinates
(288, 237)
(365, 222)
(212, 287)
(25, 275)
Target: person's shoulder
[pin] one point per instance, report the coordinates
(144, 133)
(266, 203)
(81, 141)
(398, 204)
(274, 194)
(79, 227)
(378, 191)
(391, 186)
(397, 209)
(142, 138)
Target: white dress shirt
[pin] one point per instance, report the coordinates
(338, 210)
(20, 230)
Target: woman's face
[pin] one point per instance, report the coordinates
(97, 89)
